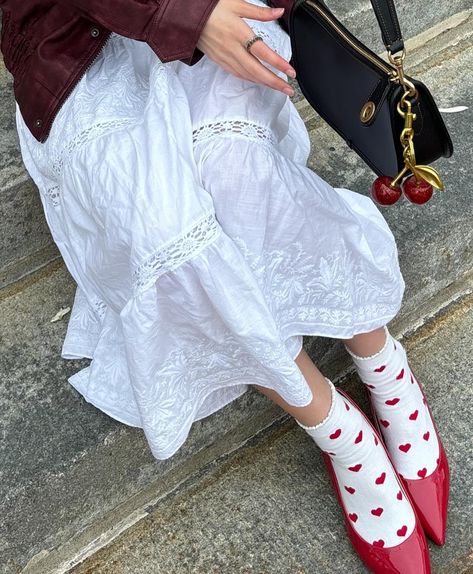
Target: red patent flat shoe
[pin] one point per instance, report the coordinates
(429, 495)
(409, 557)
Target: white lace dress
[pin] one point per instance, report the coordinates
(202, 246)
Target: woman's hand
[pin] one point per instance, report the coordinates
(224, 34)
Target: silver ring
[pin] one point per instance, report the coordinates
(251, 41)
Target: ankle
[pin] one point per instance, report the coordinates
(328, 413)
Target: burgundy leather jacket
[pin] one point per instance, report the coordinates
(48, 45)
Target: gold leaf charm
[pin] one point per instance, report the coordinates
(428, 174)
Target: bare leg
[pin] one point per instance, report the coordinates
(363, 344)
(317, 410)
(366, 344)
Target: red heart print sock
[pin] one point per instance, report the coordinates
(368, 483)
(405, 421)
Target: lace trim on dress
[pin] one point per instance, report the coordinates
(82, 138)
(249, 130)
(170, 256)
(52, 195)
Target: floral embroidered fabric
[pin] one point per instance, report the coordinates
(202, 246)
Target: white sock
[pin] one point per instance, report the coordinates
(368, 483)
(405, 421)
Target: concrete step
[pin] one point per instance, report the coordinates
(25, 241)
(414, 17)
(72, 478)
(270, 508)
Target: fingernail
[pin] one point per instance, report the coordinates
(278, 10)
(288, 91)
(291, 73)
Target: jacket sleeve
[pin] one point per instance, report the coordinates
(287, 5)
(171, 27)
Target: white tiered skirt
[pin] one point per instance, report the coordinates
(202, 246)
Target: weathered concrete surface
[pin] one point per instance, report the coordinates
(68, 467)
(65, 464)
(25, 240)
(270, 509)
(414, 17)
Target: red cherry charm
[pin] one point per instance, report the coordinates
(383, 193)
(417, 190)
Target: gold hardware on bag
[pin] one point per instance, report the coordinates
(367, 111)
(376, 61)
(404, 109)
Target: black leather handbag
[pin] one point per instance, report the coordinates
(390, 119)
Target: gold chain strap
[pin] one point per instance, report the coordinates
(404, 109)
